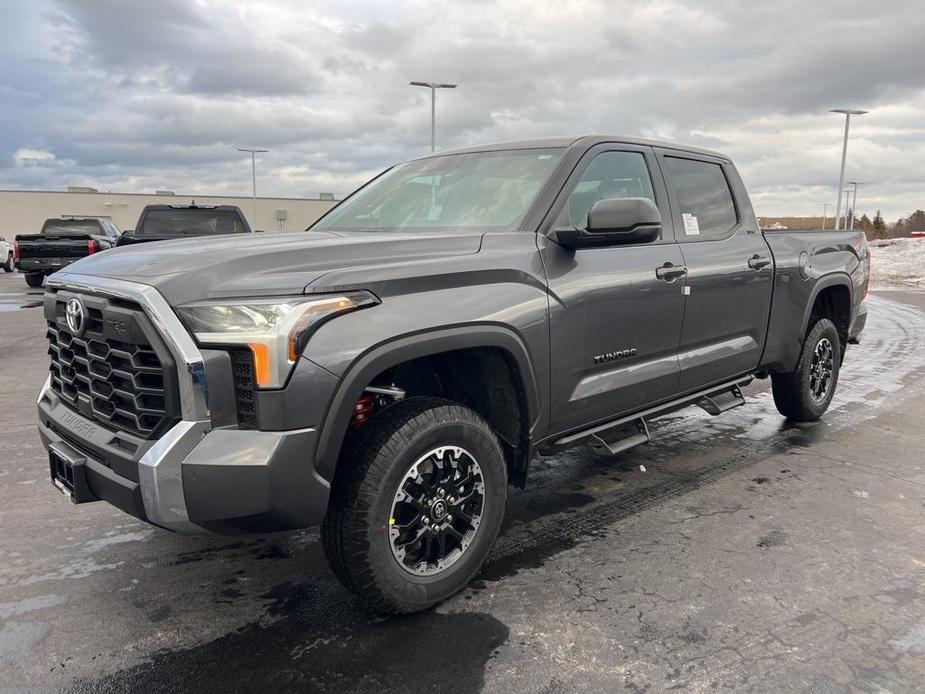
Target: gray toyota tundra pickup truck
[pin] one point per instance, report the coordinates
(388, 373)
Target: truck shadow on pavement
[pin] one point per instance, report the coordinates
(315, 640)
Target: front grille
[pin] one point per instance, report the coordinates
(116, 370)
(242, 369)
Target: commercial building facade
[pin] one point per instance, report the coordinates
(23, 211)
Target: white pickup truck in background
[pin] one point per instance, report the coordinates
(6, 255)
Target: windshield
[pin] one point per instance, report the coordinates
(191, 221)
(70, 227)
(485, 191)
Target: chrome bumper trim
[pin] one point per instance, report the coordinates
(159, 470)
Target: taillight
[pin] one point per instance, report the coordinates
(91, 247)
(16, 251)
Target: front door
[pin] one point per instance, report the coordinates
(729, 270)
(614, 324)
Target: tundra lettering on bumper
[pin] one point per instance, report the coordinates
(196, 477)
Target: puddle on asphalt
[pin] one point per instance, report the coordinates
(8, 306)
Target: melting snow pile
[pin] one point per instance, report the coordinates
(897, 263)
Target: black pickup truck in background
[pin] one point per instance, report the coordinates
(60, 243)
(163, 222)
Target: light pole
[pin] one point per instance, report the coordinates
(253, 151)
(847, 192)
(854, 202)
(825, 213)
(844, 155)
(433, 86)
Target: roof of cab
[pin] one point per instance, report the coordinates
(586, 141)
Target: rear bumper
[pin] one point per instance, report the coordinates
(43, 264)
(194, 479)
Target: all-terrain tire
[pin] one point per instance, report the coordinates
(376, 460)
(34, 279)
(9, 266)
(797, 394)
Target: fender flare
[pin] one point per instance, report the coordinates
(386, 355)
(832, 280)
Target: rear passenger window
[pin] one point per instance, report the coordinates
(701, 193)
(609, 175)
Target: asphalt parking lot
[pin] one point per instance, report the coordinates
(749, 555)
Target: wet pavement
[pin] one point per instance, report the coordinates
(750, 555)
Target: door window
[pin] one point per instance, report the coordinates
(701, 193)
(609, 175)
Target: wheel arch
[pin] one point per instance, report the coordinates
(837, 289)
(415, 346)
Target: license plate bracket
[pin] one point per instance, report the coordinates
(69, 475)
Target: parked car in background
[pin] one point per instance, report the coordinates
(390, 372)
(163, 222)
(61, 242)
(7, 261)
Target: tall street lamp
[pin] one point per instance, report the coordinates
(254, 151)
(854, 202)
(433, 86)
(825, 212)
(844, 155)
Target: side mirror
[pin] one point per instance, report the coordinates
(614, 222)
(124, 236)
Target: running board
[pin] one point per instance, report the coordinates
(619, 439)
(601, 432)
(717, 403)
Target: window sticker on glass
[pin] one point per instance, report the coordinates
(691, 228)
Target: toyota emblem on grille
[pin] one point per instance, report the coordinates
(74, 315)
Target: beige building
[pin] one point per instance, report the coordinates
(23, 211)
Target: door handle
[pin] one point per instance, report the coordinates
(670, 272)
(756, 262)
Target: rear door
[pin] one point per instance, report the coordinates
(614, 324)
(729, 269)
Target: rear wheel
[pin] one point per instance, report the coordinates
(8, 265)
(805, 394)
(34, 279)
(416, 504)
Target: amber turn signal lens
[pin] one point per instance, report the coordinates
(262, 371)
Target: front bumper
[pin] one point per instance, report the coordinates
(196, 477)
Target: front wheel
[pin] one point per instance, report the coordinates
(34, 279)
(805, 394)
(416, 504)
(8, 265)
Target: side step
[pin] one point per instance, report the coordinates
(717, 403)
(618, 439)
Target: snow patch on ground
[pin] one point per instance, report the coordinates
(897, 263)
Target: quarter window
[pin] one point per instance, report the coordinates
(609, 175)
(701, 193)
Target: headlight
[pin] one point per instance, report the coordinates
(276, 330)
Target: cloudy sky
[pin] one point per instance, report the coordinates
(139, 95)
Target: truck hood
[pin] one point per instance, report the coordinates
(269, 264)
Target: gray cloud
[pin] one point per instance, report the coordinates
(137, 95)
